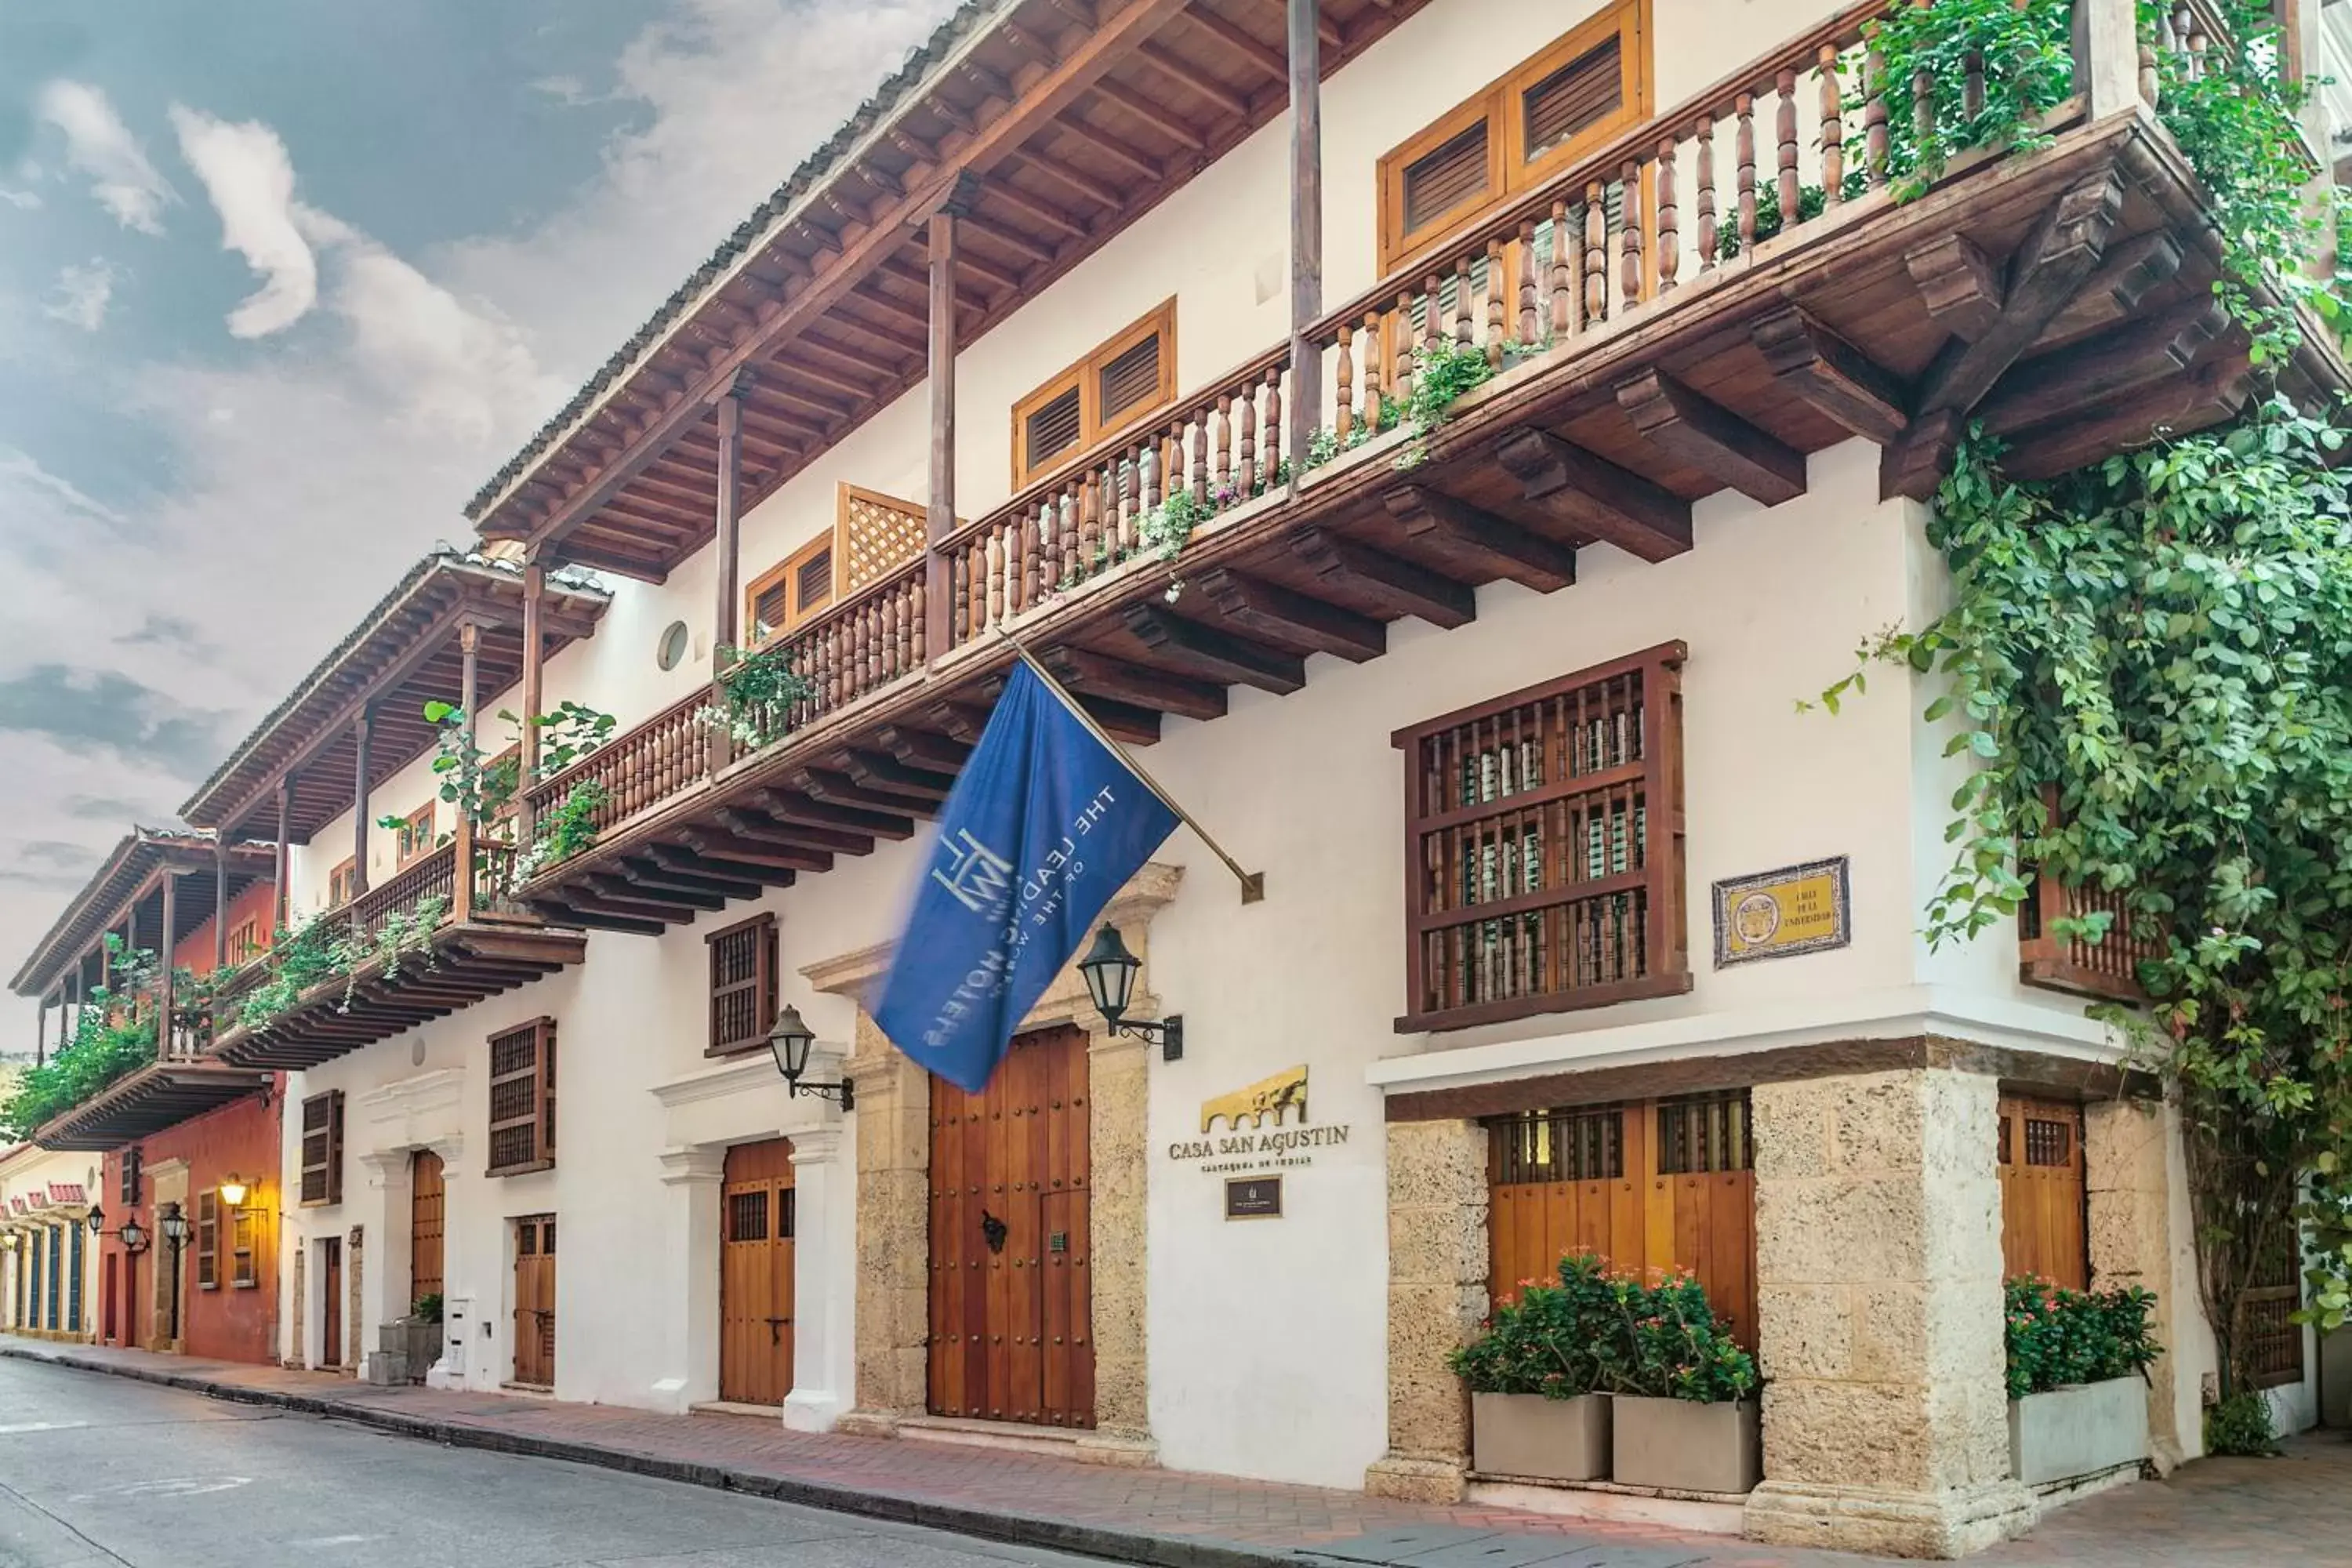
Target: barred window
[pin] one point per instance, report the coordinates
(1587, 1145)
(742, 986)
(523, 1098)
(1705, 1133)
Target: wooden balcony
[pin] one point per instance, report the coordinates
(146, 1102)
(1653, 344)
(2108, 969)
(461, 956)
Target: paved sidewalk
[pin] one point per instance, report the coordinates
(2216, 1512)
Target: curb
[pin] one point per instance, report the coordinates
(1134, 1546)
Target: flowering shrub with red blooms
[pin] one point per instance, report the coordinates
(1598, 1332)
(2058, 1337)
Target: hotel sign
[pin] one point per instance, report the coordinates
(1260, 1127)
(1779, 914)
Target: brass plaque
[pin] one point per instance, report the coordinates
(1254, 1197)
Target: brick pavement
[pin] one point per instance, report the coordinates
(2216, 1512)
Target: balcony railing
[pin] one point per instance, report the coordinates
(1784, 148)
(2107, 968)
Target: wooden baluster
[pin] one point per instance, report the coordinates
(1401, 371)
(1874, 120)
(1563, 279)
(1147, 471)
(975, 593)
(1433, 331)
(916, 652)
(1744, 106)
(2151, 82)
(1343, 412)
(1629, 240)
(1923, 107)
(1246, 443)
(996, 578)
(1530, 334)
(861, 653)
(1703, 175)
(1089, 524)
(1670, 238)
(1458, 322)
(1972, 83)
(1494, 311)
(1269, 449)
(1825, 66)
(2199, 42)
(1221, 476)
(1785, 116)
(1596, 253)
(1017, 539)
(1376, 384)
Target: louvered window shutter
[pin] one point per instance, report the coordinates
(208, 1241)
(322, 1148)
(1130, 381)
(1050, 431)
(768, 611)
(813, 583)
(1449, 176)
(1583, 92)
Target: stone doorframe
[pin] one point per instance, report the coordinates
(379, 1291)
(894, 1102)
(167, 1182)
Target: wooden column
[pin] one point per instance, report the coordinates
(163, 964)
(726, 633)
(73, 1019)
(220, 902)
(534, 591)
(940, 518)
(1306, 227)
(278, 867)
(461, 886)
(41, 1032)
(360, 801)
(2106, 57)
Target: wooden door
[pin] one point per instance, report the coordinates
(1011, 1316)
(755, 1274)
(331, 1314)
(1649, 1186)
(534, 1297)
(2042, 1226)
(109, 1325)
(426, 1195)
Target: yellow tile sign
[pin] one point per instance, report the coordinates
(1778, 914)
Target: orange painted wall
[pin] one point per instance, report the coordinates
(194, 952)
(228, 1323)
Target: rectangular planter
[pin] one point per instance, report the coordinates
(1542, 1439)
(1678, 1444)
(2078, 1431)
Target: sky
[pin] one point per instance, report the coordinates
(282, 284)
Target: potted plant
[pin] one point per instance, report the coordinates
(1688, 1421)
(1535, 1376)
(2078, 1365)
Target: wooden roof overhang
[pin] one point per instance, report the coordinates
(1843, 328)
(1056, 123)
(146, 1102)
(404, 653)
(463, 964)
(129, 888)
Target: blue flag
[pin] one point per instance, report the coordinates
(1046, 823)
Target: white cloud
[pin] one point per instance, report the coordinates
(565, 90)
(250, 179)
(32, 482)
(101, 145)
(28, 200)
(82, 295)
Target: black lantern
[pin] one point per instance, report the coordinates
(1110, 971)
(174, 1225)
(96, 1220)
(791, 1040)
(133, 1237)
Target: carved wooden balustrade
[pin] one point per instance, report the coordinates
(2107, 968)
(644, 767)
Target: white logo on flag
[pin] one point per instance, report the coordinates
(975, 875)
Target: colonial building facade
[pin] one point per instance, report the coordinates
(1576, 931)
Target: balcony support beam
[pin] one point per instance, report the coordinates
(278, 863)
(1814, 364)
(1306, 227)
(1474, 539)
(1396, 586)
(940, 509)
(360, 727)
(1593, 498)
(535, 589)
(163, 964)
(469, 690)
(1698, 431)
(220, 902)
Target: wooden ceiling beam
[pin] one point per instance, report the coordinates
(1700, 433)
(1398, 586)
(1468, 538)
(2128, 270)
(1593, 498)
(1194, 80)
(1207, 654)
(1001, 233)
(1083, 669)
(1075, 179)
(1178, 130)
(2097, 371)
(1270, 61)
(1815, 365)
(1036, 207)
(1117, 149)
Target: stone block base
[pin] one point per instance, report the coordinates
(862, 1423)
(1118, 1447)
(1417, 1477)
(1888, 1523)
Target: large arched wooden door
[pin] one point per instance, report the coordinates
(426, 1225)
(1011, 1314)
(755, 1274)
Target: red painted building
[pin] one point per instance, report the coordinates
(228, 1264)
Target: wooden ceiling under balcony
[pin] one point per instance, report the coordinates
(125, 896)
(1068, 124)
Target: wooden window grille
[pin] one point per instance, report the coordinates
(747, 1216)
(130, 1167)
(1129, 378)
(1555, 107)
(244, 1256)
(2274, 1338)
(342, 884)
(742, 986)
(1705, 1133)
(322, 1149)
(208, 1241)
(1560, 1146)
(523, 1098)
(1544, 848)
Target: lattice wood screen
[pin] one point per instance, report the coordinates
(523, 1098)
(877, 536)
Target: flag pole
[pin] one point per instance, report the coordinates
(1253, 882)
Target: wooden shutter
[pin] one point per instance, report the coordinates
(1129, 374)
(1450, 175)
(208, 1241)
(322, 1149)
(1586, 92)
(1544, 848)
(1129, 380)
(770, 608)
(243, 1267)
(523, 1098)
(1052, 429)
(130, 1168)
(742, 986)
(790, 592)
(2273, 1293)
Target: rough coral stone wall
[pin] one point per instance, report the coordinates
(1879, 1274)
(1437, 1300)
(1119, 1085)
(2126, 1170)
(894, 1108)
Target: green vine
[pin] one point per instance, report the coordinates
(113, 1035)
(1442, 372)
(567, 829)
(759, 688)
(2027, 60)
(485, 789)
